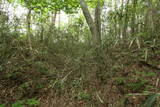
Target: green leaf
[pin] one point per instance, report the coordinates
(2, 105)
(152, 98)
(18, 104)
(32, 102)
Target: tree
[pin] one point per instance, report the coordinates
(94, 24)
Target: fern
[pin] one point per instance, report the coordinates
(151, 99)
(18, 104)
(32, 102)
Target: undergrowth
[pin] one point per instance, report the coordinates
(73, 73)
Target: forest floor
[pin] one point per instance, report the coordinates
(125, 79)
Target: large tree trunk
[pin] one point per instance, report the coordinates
(94, 26)
(95, 29)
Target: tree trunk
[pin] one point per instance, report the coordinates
(98, 21)
(51, 29)
(42, 33)
(125, 22)
(94, 26)
(59, 20)
(54, 16)
(115, 23)
(133, 19)
(95, 29)
(29, 28)
(53, 22)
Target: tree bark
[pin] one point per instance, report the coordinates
(29, 28)
(94, 26)
(54, 18)
(59, 19)
(42, 33)
(98, 21)
(125, 22)
(53, 21)
(133, 19)
(52, 26)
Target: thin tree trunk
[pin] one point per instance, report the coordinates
(59, 21)
(51, 29)
(125, 26)
(29, 34)
(54, 18)
(42, 33)
(98, 21)
(133, 19)
(53, 21)
(116, 35)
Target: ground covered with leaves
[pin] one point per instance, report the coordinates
(49, 77)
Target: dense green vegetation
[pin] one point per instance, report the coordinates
(107, 55)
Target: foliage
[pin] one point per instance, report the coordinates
(151, 100)
(25, 85)
(32, 102)
(18, 104)
(29, 102)
(84, 96)
(2, 105)
(136, 86)
(120, 80)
